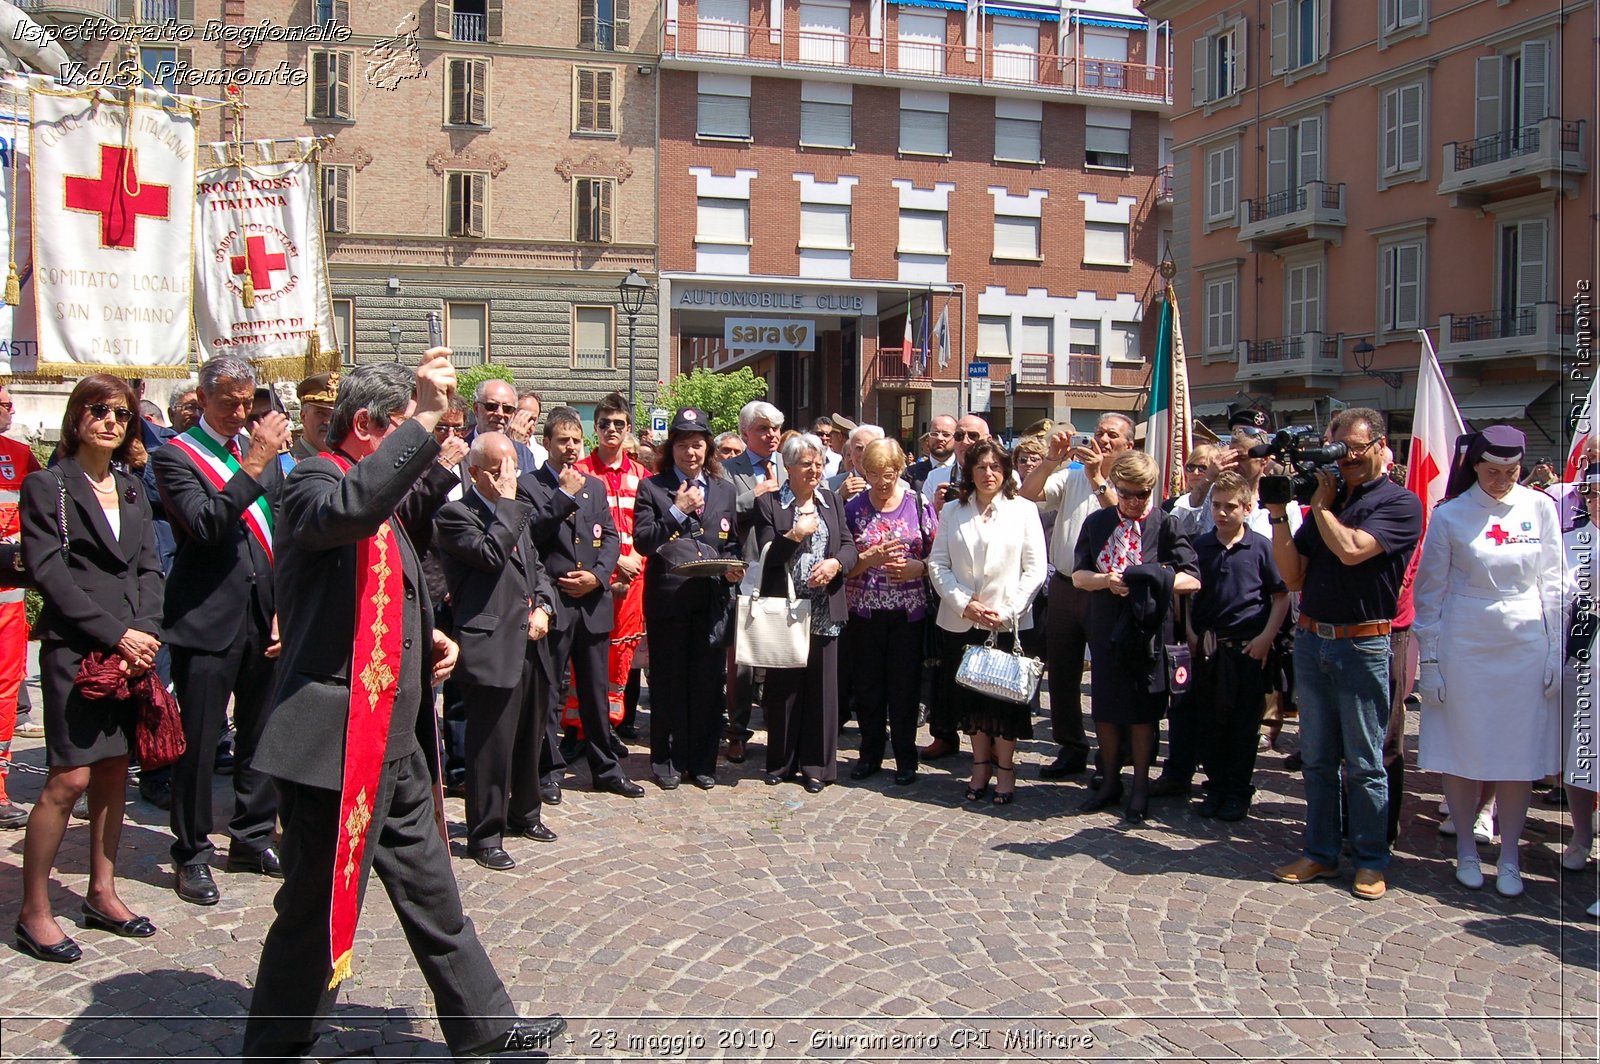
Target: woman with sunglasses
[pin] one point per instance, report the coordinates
(102, 592)
(1133, 557)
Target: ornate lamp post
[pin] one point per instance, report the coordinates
(633, 291)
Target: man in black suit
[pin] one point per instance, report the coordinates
(503, 606)
(333, 508)
(580, 553)
(941, 451)
(217, 488)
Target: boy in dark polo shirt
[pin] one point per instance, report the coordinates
(1235, 615)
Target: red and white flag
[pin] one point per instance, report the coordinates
(113, 231)
(260, 277)
(1434, 427)
(906, 346)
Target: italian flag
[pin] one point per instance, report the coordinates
(218, 467)
(1167, 420)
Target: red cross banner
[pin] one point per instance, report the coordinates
(113, 231)
(261, 281)
(18, 352)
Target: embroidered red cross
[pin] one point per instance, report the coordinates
(1498, 534)
(262, 265)
(117, 196)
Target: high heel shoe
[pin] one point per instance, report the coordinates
(64, 952)
(133, 927)
(975, 794)
(1138, 809)
(1005, 797)
(1100, 799)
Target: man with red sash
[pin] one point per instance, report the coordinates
(217, 488)
(352, 741)
(610, 464)
(16, 462)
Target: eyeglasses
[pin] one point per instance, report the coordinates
(1202, 468)
(1249, 430)
(618, 423)
(1129, 493)
(7, 406)
(497, 408)
(1358, 449)
(100, 411)
(972, 437)
(450, 430)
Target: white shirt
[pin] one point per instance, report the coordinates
(998, 559)
(1069, 495)
(830, 463)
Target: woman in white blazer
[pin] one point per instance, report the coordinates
(988, 563)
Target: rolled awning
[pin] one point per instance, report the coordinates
(943, 5)
(1305, 403)
(1110, 22)
(1501, 401)
(1007, 11)
(1209, 409)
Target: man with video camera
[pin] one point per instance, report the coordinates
(1348, 562)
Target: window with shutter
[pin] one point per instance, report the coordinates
(825, 225)
(329, 84)
(994, 335)
(924, 122)
(1105, 244)
(1106, 136)
(1016, 238)
(465, 204)
(344, 327)
(825, 32)
(924, 232)
(593, 110)
(722, 221)
(1220, 296)
(1401, 303)
(336, 198)
(1487, 113)
(1401, 14)
(1402, 129)
(1036, 336)
(592, 211)
(593, 329)
(1018, 130)
(1083, 337)
(920, 44)
(1524, 272)
(1533, 87)
(468, 92)
(466, 330)
(825, 115)
(724, 27)
(723, 106)
(1222, 183)
(1303, 313)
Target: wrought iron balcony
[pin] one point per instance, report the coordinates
(602, 358)
(1548, 154)
(463, 357)
(1544, 332)
(472, 28)
(1307, 354)
(1312, 211)
(893, 371)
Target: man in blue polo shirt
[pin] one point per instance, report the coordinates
(1348, 562)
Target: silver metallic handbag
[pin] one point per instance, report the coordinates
(772, 632)
(1010, 676)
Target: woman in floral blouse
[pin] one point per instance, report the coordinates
(888, 595)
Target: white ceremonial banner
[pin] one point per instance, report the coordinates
(19, 352)
(261, 286)
(113, 231)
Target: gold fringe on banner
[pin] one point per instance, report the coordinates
(285, 368)
(58, 371)
(13, 286)
(247, 291)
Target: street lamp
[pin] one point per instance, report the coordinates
(633, 290)
(394, 339)
(1362, 354)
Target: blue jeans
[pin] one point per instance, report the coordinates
(1342, 686)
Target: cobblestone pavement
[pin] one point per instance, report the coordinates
(874, 922)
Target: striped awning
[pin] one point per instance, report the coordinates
(1209, 409)
(943, 5)
(1110, 22)
(1008, 11)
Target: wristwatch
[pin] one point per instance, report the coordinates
(1280, 520)
(1101, 488)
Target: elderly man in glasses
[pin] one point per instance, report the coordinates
(494, 405)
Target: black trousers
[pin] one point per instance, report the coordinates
(1227, 700)
(505, 729)
(588, 653)
(741, 699)
(886, 650)
(686, 697)
(802, 708)
(204, 682)
(403, 846)
(1064, 647)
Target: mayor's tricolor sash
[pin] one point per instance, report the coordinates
(374, 680)
(218, 467)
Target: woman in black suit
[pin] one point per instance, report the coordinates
(1133, 559)
(686, 617)
(103, 592)
(803, 530)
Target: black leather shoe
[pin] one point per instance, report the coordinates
(157, 794)
(623, 788)
(550, 794)
(1062, 767)
(812, 786)
(627, 731)
(455, 788)
(865, 771)
(12, 816)
(524, 1037)
(494, 859)
(195, 885)
(667, 781)
(538, 832)
(64, 952)
(134, 927)
(265, 863)
(905, 779)
(704, 782)
(1171, 787)
(772, 779)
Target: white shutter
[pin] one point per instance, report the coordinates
(920, 49)
(1016, 50)
(923, 232)
(724, 26)
(1277, 159)
(1486, 118)
(825, 225)
(724, 106)
(1199, 85)
(1309, 163)
(1390, 156)
(722, 221)
(1535, 87)
(1407, 286)
(592, 334)
(1312, 315)
(1239, 37)
(1017, 139)
(925, 132)
(1410, 106)
(1532, 243)
(1221, 184)
(1280, 36)
(1034, 337)
(1014, 238)
(1105, 243)
(1324, 29)
(994, 335)
(825, 124)
(1083, 337)
(1219, 314)
(1105, 139)
(824, 33)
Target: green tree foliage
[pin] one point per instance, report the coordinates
(467, 380)
(720, 395)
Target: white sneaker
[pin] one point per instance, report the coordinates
(27, 729)
(1509, 881)
(1574, 859)
(1447, 827)
(1483, 826)
(1469, 873)
(1594, 910)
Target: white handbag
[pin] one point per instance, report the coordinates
(772, 632)
(1009, 676)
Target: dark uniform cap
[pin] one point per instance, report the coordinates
(1250, 418)
(319, 388)
(691, 420)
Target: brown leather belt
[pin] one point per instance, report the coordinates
(1344, 631)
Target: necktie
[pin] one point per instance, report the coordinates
(766, 468)
(233, 449)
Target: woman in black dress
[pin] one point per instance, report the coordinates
(1134, 559)
(102, 592)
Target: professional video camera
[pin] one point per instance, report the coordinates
(1303, 452)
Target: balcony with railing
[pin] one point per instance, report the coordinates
(894, 373)
(464, 357)
(1544, 332)
(1548, 154)
(600, 358)
(1308, 355)
(59, 12)
(1164, 186)
(1085, 371)
(1035, 370)
(472, 28)
(1312, 211)
(739, 46)
(157, 11)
